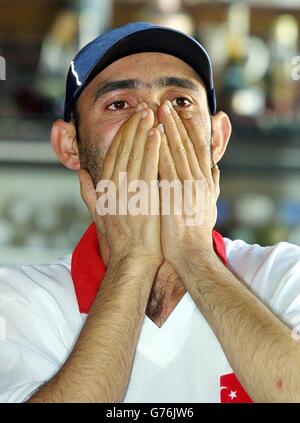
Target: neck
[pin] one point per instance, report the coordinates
(167, 289)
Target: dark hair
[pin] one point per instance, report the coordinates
(75, 118)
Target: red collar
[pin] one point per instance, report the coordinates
(88, 269)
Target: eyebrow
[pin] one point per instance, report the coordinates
(133, 84)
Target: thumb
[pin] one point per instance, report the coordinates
(87, 190)
(216, 179)
(89, 196)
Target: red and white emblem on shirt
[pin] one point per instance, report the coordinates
(231, 391)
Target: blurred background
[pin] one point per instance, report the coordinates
(254, 46)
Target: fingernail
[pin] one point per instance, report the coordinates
(151, 132)
(167, 108)
(187, 115)
(144, 114)
(139, 107)
(161, 128)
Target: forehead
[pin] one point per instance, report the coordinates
(145, 67)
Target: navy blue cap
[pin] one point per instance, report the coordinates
(132, 38)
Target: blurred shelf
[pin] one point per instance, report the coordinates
(255, 3)
(243, 157)
(282, 4)
(31, 152)
(23, 255)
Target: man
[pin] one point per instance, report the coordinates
(147, 308)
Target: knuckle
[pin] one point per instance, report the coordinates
(142, 132)
(170, 164)
(124, 151)
(110, 156)
(146, 170)
(188, 144)
(149, 147)
(205, 147)
(180, 149)
(132, 159)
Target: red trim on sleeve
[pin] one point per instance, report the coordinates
(88, 269)
(219, 246)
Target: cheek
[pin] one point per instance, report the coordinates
(103, 133)
(202, 114)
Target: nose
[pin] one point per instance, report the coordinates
(154, 107)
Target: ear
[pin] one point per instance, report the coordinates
(64, 143)
(221, 131)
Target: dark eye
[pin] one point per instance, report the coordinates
(180, 101)
(118, 105)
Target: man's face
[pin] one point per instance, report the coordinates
(147, 77)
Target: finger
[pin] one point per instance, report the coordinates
(87, 190)
(135, 159)
(166, 165)
(216, 179)
(175, 144)
(167, 171)
(149, 167)
(110, 157)
(89, 196)
(200, 143)
(188, 145)
(125, 144)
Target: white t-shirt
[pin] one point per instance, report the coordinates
(40, 320)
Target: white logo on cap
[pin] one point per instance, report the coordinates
(75, 73)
